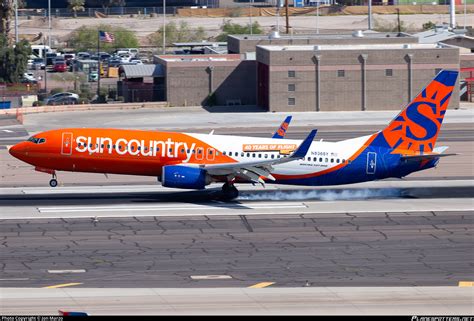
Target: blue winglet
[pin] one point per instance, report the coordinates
(305, 145)
(281, 132)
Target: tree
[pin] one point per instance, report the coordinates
(6, 12)
(85, 38)
(75, 6)
(13, 60)
(174, 33)
(229, 28)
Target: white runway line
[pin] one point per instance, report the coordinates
(122, 208)
(211, 277)
(66, 271)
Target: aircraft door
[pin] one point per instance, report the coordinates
(371, 162)
(66, 146)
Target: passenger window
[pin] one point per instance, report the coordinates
(242, 154)
(266, 155)
(224, 153)
(337, 160)
(320, 159)
(314, 159)
(102, 146)
(157, 149)
(139, 148)
(171, 150)
(273, 156)
(146, 148)
(199, 151)
(325, 160)
(259, 155)
(248, 154)
(133, 148)
(230, 153)
(309, 159)
(253, 155)
(332, 160)
(182, 150)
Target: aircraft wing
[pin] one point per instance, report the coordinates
(254, 170)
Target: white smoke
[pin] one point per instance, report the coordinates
(322, 195)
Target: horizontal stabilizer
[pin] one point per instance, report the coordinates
(416, 158)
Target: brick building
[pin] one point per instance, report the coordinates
(348, 77)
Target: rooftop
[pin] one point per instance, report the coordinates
(193, 58)
(349, 47)
(366, 34)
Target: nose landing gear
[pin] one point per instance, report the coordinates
(53, 182)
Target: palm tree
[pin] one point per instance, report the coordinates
(75, 6)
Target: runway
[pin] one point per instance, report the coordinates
(141, 236)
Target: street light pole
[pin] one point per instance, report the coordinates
(164, 27)
(16, 21)
(49, 23)
(317, 17)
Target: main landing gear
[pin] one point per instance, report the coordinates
(53, 182)
(229, 191)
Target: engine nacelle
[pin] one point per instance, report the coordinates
(176, 176)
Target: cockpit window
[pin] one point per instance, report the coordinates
(33, 140)
(36, 140)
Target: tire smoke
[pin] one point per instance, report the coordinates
(322, 195)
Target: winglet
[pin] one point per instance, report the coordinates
(281, 131)
(301, 151)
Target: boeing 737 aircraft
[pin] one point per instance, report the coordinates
(192, 161)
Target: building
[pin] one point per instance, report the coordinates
(248, 43)
(193, 80)
(348, 77)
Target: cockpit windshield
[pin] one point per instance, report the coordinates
(36, 140)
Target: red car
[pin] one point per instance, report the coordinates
(60, 66)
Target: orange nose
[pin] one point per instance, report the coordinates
(18, 150)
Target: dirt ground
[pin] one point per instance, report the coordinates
(143, 27)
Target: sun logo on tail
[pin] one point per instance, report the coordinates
(415, 129)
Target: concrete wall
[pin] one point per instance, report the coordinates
(346, 93)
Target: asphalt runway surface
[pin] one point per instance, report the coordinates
(145, 238)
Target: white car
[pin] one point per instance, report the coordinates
(30, 77)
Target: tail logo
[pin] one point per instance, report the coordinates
(416, 128)
(282, 130)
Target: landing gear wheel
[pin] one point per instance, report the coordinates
(229, 192)
(53, 182)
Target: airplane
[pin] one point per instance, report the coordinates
(193, 161)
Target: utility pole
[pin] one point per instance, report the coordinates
(452, 14)
(287, 18)
(16, 21)
(49, 24)
(370, 14)
(164, 27)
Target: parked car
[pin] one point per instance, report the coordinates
(60, 66)
(38, 63)
(136, 61)
(50, 58)
(29, 76)
(83, 55)
(64, 101)
(60, 98)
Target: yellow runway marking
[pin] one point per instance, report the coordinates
(465, 284)
(261, 285)
(61, 285)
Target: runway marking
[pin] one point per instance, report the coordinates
(72, 209)
(211, 277)
(7, 131)
(465, 284)
(61, 285)
(261, 285)
(66, 271)
(15, 279)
